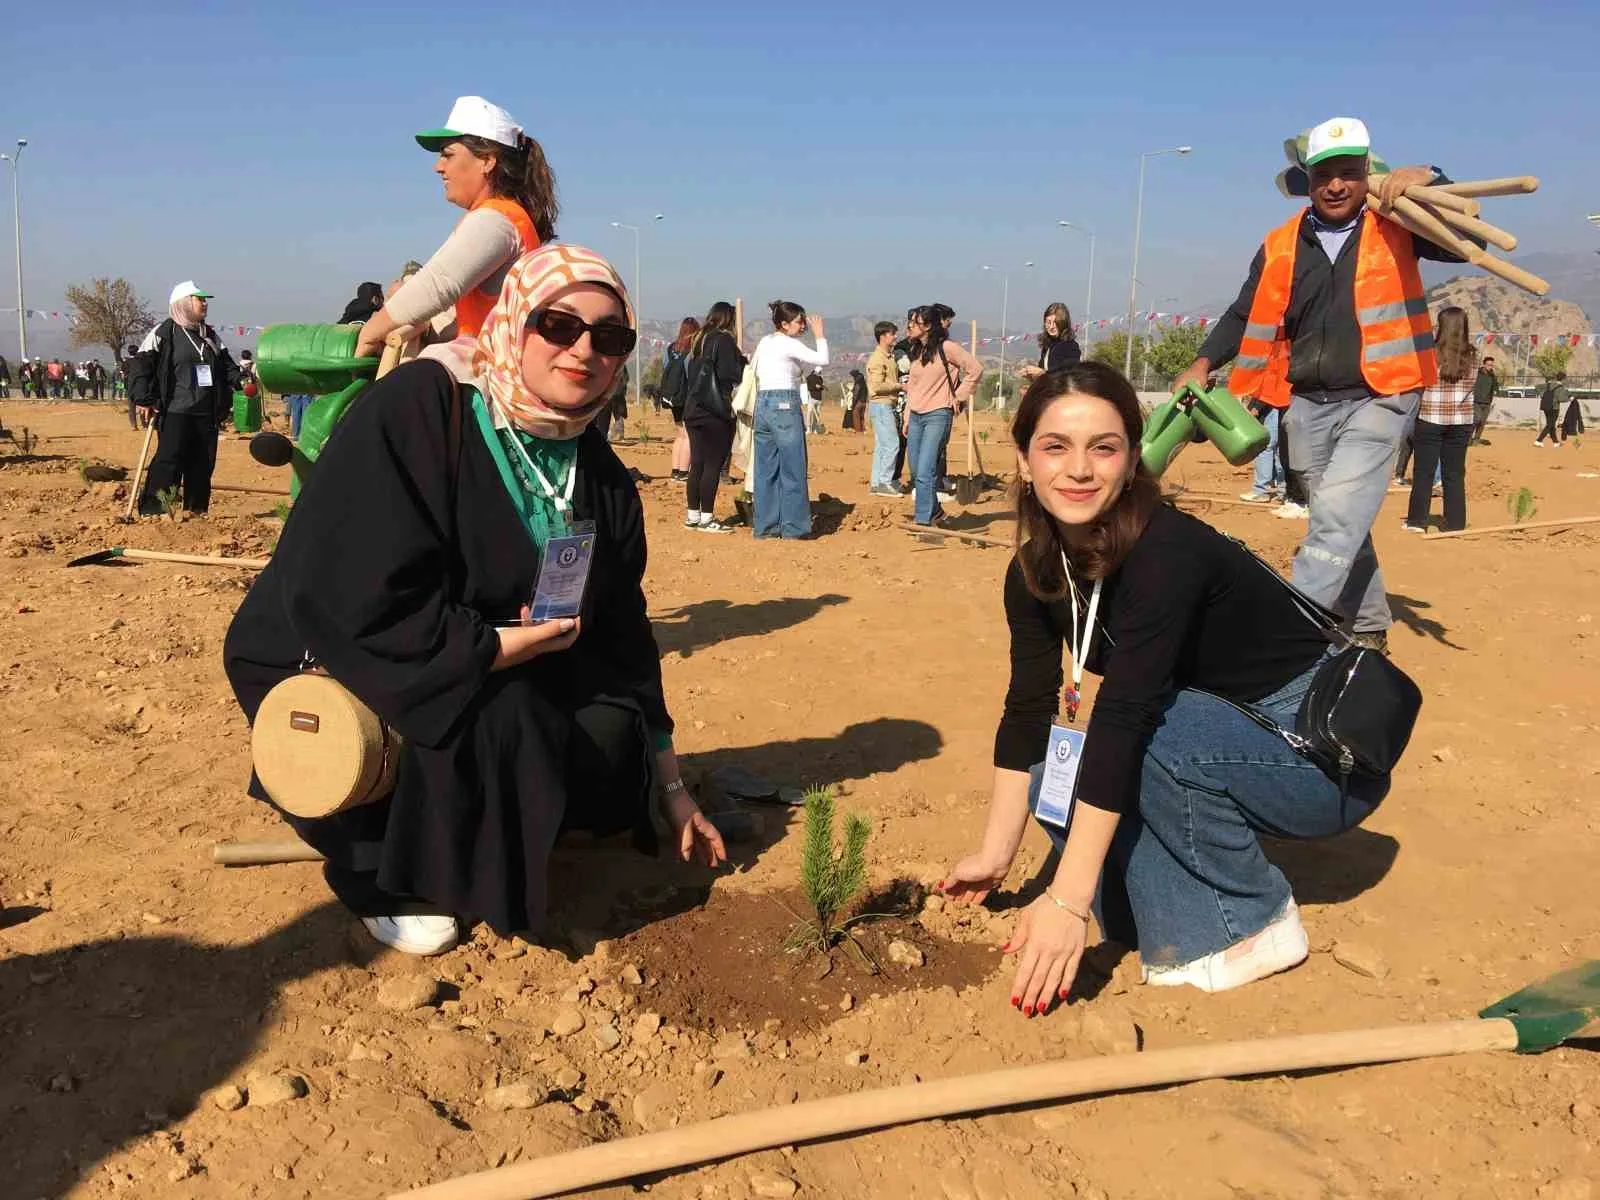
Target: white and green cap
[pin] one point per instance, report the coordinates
(472, 116)
(1338, 138)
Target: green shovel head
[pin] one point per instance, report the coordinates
(1549, 1012)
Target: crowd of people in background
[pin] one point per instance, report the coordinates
(59, 379)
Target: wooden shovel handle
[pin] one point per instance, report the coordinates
(1552, 523)
(200, 560)
(1440, 198)
(394, 348)
(1511, 185)
(138, 472)
(876, 1109)
(1473, 227)
(1412, 215)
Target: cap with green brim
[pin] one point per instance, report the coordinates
(472, 116)
(1341, 137)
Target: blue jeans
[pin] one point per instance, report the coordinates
(885, 443)
(1269, 471)
(1188, 863)
(924, 441)
(1345, 451)
(783, 498)
(297, 411)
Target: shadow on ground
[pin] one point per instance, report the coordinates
(1408, 612)
(108, 1040)
(711, 622)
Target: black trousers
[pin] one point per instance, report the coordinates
(186, 454)
(1444, 446)
(1550, 430)
(710, 442)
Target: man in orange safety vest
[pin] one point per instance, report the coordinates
(1339, 284)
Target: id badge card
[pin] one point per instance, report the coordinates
(202, 375)
(563, 576)
(1062, 758)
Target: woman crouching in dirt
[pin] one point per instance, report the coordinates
(395, 571)
(1157, 805)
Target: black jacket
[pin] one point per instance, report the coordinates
(150, 380)
(1325, 338)
(721, 352)
(1060, 354)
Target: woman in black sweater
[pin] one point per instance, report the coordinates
(715, 367)
(1058, 349)
(1173, 784)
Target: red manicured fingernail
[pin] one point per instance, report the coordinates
(1016, 1002)
(1062, 994)
(1027, 1010)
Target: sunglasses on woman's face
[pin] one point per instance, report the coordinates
(563, 329)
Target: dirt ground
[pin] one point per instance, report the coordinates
(146, 995)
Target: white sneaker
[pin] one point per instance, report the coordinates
(1256, 497)
(692, 520)
(419, 935)
(1290, 511)
(945, 497)
(709, 525)
(1278, 947)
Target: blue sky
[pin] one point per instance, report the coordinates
(856, 158)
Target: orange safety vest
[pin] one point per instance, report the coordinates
(474, 305)
(1396, 333)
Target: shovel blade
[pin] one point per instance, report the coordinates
(1549, 1012)
(99, 556)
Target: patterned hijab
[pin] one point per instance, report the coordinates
(493, 361)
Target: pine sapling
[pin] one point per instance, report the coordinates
(831, 878)
(1521, 505)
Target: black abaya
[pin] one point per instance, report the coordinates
(392, 584)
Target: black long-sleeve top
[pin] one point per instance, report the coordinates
(1188, 608)
(1320, 322)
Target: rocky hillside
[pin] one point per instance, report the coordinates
(1494, 305)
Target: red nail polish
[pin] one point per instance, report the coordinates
(1016, 1002)
(1027, 1011)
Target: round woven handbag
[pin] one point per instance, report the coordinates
(318, 750)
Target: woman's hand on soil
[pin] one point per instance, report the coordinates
(973, 878)
(697, 837)
(519, 643)
(1048, 943)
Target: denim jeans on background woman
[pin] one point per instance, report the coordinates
(885, 444)
(782, 491)
(924, 441)
(1190, 857)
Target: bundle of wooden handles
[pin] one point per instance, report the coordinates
(1448, 214)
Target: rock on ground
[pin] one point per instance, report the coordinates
(275, 1089)
(408, 992)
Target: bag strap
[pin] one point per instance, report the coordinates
(1318, 614)
(945, 363)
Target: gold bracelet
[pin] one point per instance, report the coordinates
(1062, 904)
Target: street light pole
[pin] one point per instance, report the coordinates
(638, 315)
(1138, 221)
(16, 208)
(1088, 303)
(1005, 305)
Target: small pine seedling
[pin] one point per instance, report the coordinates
(1521, 505)
(280, 510)
(168, 499)
(831, 877)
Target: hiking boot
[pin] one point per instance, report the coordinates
(1372, 639)
(1278, 947)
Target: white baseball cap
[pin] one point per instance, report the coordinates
(472, 116)
(187, 288)
(1339, 137)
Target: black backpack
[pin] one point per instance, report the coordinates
(674, 379)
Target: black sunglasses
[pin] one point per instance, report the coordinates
(564, 329)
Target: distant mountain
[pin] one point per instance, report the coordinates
(1493, 305)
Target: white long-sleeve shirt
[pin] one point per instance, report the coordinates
(779, 361)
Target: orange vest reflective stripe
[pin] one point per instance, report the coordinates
(1396, 332)
(474, 305)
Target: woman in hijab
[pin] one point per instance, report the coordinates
(369, 299)
(495, 171)
(183, 379)
(407, 577)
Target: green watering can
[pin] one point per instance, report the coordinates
(1216, 415)
(246, 412)
(314, 360)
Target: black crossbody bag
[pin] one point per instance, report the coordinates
(1358, 714)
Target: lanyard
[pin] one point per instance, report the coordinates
(1080, 639)
(564, 500)
(200, 346)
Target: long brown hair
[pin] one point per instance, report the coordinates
(687, 328)
(521, 173)
(1063, 322)
(720, 316)
(1112, 535)
(1457, 359)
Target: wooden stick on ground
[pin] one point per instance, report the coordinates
(1553, 523)
(881, 1107)
(257, 491)
(255, 854)
(935, 531)
(1513, 185)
